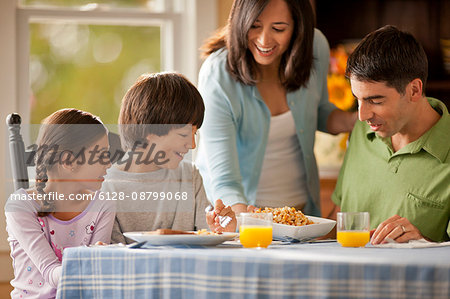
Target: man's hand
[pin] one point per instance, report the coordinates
(396, 228)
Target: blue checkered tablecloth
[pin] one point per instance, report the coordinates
(290, 271)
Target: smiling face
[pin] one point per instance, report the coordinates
(270, 35)
(174, 145)
(385, 110)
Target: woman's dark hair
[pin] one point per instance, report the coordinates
(156, 104)
(297, 60)
(391, 56)
(65, 132)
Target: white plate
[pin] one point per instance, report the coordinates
(203, 240)
(321, 227)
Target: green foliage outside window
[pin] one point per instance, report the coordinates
(88, 67)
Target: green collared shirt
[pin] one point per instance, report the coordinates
(413, 182)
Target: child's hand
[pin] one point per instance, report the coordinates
(212, 218)
(100, 243)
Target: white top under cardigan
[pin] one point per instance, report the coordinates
(283, 176)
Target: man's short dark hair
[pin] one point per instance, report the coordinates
(391, 56)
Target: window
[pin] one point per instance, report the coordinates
(86, 55)
(89, 67)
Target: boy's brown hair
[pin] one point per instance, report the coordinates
(162, 101)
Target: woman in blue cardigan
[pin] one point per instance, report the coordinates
(265, 91)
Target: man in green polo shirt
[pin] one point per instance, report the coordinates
(397, 166)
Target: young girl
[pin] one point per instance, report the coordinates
(61, 210)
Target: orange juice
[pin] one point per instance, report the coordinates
(353, 238)
(255, 236)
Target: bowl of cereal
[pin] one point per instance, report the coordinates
(289, 222)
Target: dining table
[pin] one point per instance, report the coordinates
(321, 269)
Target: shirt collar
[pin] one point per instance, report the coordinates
(438, 141)
(435, 141)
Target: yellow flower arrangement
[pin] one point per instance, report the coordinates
(329, 149)
(339, 90)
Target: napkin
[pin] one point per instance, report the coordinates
(421, 243)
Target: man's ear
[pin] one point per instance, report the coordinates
(416, 89)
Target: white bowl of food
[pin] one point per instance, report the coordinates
(288, 222)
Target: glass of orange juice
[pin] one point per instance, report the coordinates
(255, 229)
(353, 229)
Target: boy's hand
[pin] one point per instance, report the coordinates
(212, 218)
(100, 243)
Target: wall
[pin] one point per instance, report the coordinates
(223, 10)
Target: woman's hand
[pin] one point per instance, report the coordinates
(213, 220)
(239, 208)
(341, 121)
(251, 209)
(242, 208)
(396, 228)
